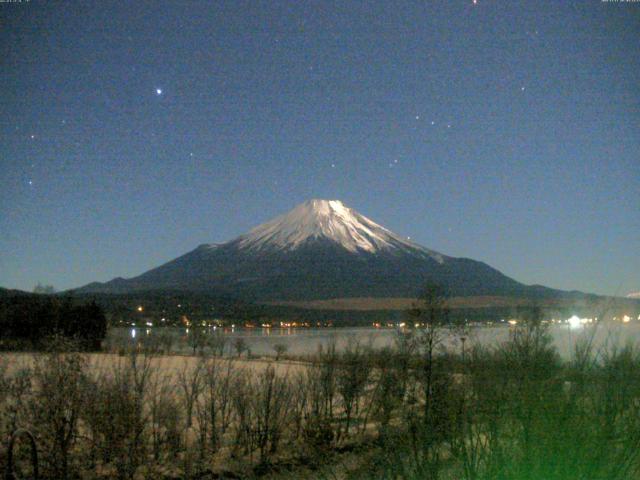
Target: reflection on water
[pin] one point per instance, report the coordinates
(303, 341)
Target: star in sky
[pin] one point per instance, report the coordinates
(262, 99)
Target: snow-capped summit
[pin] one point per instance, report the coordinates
(328, 220)
(321, 249)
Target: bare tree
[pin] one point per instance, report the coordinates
(351, 380)
(270, 405)
(280, 349)
(431, 313)
(59, 377)
(116, 413)
(240, 345)
(197, 338)
(190, 384)
(217, 342)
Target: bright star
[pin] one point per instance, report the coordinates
(158, 91)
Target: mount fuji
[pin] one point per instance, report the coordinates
(321, 249)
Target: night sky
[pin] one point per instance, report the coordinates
(507, 132)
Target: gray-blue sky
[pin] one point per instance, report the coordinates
(507, 132)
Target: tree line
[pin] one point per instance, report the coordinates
(26, 321)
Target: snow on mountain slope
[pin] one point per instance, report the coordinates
(327, 219)
(634, 295)
(321, 249)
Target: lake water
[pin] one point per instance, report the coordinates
(302, 341)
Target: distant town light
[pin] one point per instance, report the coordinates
(513, 322)
(140, 308)
(626, 319)
(574, 321)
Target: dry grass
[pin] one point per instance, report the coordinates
(370, 303)
(170, 365)
(612, 304)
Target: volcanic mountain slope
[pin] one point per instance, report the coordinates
(320, 249)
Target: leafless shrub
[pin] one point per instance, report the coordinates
(197, 339)
(116, 414)
(217, 342)
(165, 418)
(56, 403)
(190, 383)
(242, 391)
(280, 349)
(240, 345)
(17, 389)
(214, 407)
(388, 392)
(352, 375)
(166, 340)
(318, 438)
(270, 405)
(299, 405)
